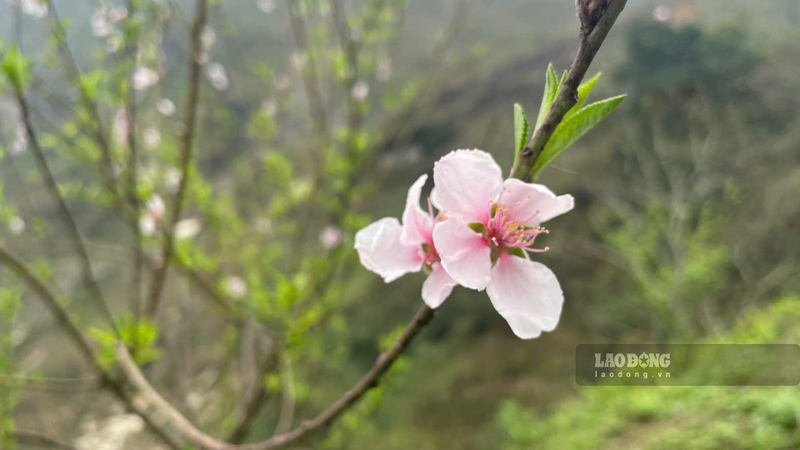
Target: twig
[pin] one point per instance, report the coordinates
(65, 322)
(39, 440)
(66, 216)
(60, 36)
(591, 38)
(133, 181)
(197, 437)
(168, 249)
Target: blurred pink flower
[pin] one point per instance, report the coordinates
(392, 250)
(492, 225)
(330, 237)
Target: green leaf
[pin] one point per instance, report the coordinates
(583, 92)
(16, 68)
(561, 82)
(550, 91)
(573, 128)
(520, 130)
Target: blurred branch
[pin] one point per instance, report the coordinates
(70, 385)
(39, 440)
(192, 434)
(133, 176)
(74, 333)
(66, 216)
(160, 274)
(71, 65)
(597, 18)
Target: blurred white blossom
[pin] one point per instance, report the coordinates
(267, 6)
(235, 287)
(20, 142)
(147, 226)
(113, 43)
(216, 74)
(101, 25)
(151, 137)
(264, 225)
(144, 77)
(34, 8)
(166, 107)
(120, 126)
(360, 91)
(109, 434)
(298, 60)
(187, 228)
(208, 37)
(330, 237)
(172, 179)
(662, 13)
(16, 225)
(270, 107)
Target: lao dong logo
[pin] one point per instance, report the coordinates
(632, 360)
(631, 365)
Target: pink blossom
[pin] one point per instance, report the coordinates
(492, 226)
(392, 250)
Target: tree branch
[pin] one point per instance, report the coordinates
(591, 38)
(60, 36)
(66, 216)
(65, 322)
(197, 437)
(30, 438)
(187, 139)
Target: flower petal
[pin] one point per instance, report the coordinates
(526, 294)
(466, 181)
(531, 204)
(417, 225)
(464, 253)
(381, 250)
(437, 287)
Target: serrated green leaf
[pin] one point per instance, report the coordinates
(520, 130)
(583, 92)
(550, 91)
(572, 129)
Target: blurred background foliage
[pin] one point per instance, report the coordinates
(685, 227)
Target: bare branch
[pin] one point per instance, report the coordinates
(66, 216)
(74, 333)
(40, 440)
(197, 437)
(74, 72)
(594, 29)
(187, 139)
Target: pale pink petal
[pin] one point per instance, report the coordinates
(526, 294)
(381, 250)
(464, 253)
(466, 182)
(417, 225)
(531, 204)
(437, 287)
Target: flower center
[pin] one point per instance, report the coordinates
(503, 233)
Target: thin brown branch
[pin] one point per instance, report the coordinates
(594, 28)
(187, 139)
(74, 72)
(39, 440)
(133, 181)
(197, 437)
(66, 216)
(65, 322)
